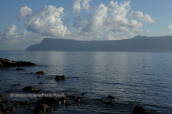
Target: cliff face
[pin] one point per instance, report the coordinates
(136, 44)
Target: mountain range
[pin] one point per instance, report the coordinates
(136, 44)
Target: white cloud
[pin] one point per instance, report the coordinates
(76, 7)
(24, 13)
(46, 21)
(169, 29)
(142, 31)
(139, 15)
(86, 5)
(95, 19)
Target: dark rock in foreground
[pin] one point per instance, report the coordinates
(139, 110)
(28, 88)
(42, 108)
(8, 63)
(60, 77)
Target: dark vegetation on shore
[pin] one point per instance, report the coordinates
(44, 104)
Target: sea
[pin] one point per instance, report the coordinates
(133, 78)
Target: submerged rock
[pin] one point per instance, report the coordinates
(28, 88)
(139, 110)
(42, 108)
(19, 69)
(112, 97)
(60, 77)
(40, 72)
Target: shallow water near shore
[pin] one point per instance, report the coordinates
(135, 78)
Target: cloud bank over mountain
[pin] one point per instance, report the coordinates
(114, 21)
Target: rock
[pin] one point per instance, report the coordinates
(6, 101)
(1, 105)
(1, 96)
(40, 91)
(60, 77)
(10, 109)
(38, 76)
(83, 93)
(15, 104)
(24, 103)
(41, 83)
(42, 108)
(51, 101)
(28, 88)
(8, 63)
(19, 69)
(68, 103)
(40, 72)
(112, 97)
(139, 110)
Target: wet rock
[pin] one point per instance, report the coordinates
(73, 97)
(42, 101)
(40, 91)
(60, 77)
(40, 72)
(83, 93)
(41, 83)
(19, 69)
(6, 101)
(1, 105)
(42, 108)
(139, 110)
(51, 100)
(24, 103)
(68, 103)
(1, 96)
(38, 76)
(8, 63)
(11, 109)
(4, 111)
(112, 97)
(15, 104)
(28, 88)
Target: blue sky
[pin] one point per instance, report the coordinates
(25, 23)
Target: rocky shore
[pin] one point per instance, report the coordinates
(8, 63)
(46, 103)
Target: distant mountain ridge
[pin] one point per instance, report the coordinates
(136, 44)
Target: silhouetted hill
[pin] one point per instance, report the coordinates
(136, 44)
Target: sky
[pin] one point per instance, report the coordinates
(25, 23)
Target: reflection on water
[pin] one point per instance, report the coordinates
(143, 78)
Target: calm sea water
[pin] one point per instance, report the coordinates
(135, 78)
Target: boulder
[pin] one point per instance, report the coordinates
(60, 77)
(51, 100)
(19, 69)
(28, 88)
(42, 108)
(112, 97)
(11, 109)
(139, 110)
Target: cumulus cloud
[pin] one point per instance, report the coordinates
(95, 19)
(169, 29)
(139, 15)
(142, 31)
(46, 21)
(24, 13)
(76, 7)
(86, 5)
